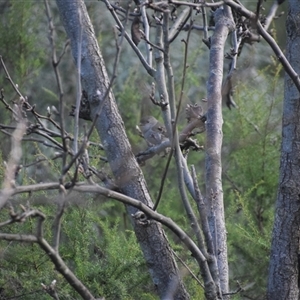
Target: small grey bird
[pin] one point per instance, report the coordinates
(153, 132)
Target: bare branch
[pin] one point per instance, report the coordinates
(271, 14)
(22, 216)
(65, 271)
(56, 226)
(55, 63)
(15, 87)
(15, 156)
(262, 31)
(281, 57)
(147, 34)
(215, 205)
(198, 5)
(189, 270)
(35, 188)
(179, 24)
(78, 84)
(51, 252)
(146, 65)
(145, 218)
(27, 238)
(50, 290)
(151, 214)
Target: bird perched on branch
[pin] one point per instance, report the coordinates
(153, 132)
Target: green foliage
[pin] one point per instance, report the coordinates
(108, 261)
(19, 43)
(188, 267)
(24, 266)
(129, 103)
(21, 51)
(99, 247)
(193, 287)
(251, 167)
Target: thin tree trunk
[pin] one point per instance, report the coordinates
(214, 190)
(109, 125)
(284, 280)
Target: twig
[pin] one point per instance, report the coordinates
(7, 106)
(35, 188)
(50, 290)
(78, 81)
(174, 137)
(15, 156)
(147, 34)
(238, 290)
(15, 87)
(73, 160)
(198, 5)
(161, 84)
(60, 265)
(148, 211)
(151, 44)
(145, 214)
(55, 63)
(281, 57)
(56, 226)
(189, 270)
(120, 27)
(179, 24)
(184, 134)
(186, 27)
(22, 216)
(205, 227)
(56, 143)
(271, 14)
(181, 138)
(163, 179)
(205, 27)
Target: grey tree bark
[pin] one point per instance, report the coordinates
(284, 279)
(214, 190)
(124, 166)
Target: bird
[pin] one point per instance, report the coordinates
(154, 132)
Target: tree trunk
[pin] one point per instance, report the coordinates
(214, 136)
(126, 171)
(284, 277)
